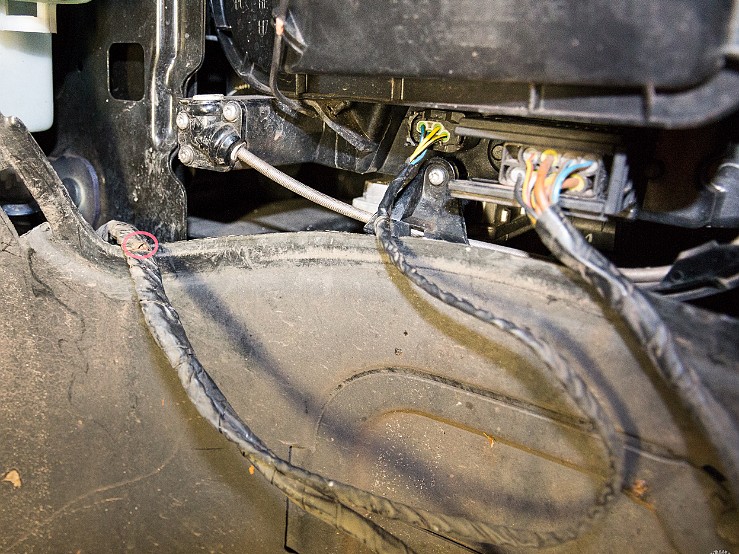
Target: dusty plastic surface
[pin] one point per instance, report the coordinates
(661, 43)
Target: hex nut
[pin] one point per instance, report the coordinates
(436, 175)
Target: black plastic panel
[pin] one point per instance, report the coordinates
(661, 43)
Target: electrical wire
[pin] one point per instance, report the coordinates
(522, 190)
(307, 490)
(426, 141)
(527, 179)
(568, 170)
(547, 187)
(271, 172)
(569, 246)
(633, 305)
(277, 61)
(361, 143)
(570, 381)
(263, 83)
(334, 502)
(539, 198)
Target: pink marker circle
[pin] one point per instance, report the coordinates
(139, 256)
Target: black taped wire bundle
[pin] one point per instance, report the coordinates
(569, 380)
(313, 493)
(633, 305)
(336, 503)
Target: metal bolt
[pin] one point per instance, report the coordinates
(436, 175)
(182, 121)
(186, 155)
(231, 111)
(497, 152)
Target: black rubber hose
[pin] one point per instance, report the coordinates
(633, 305)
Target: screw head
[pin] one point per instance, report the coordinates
(436, 175)
(186, 154)
(182, 121)
(231, 111)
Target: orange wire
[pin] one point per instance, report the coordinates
(548, 182)
(572, 183)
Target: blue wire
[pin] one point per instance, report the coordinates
(420, 140)
(568, 170)
(419, 157)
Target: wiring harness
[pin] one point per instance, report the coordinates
(345, 506)
(341, 505)
(565, 376)
(547, 175)
(426, 140)
(538, 193)
(633, 305)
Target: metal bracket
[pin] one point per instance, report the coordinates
(130, 141)
(437, 213)
(195, 117)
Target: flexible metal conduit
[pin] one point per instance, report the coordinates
(299, 188)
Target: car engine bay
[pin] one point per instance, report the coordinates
(441, 276)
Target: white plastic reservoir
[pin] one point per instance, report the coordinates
(25, 62)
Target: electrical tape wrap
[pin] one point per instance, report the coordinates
(569, 246)
(169, 334)
(336, 503)
(570, 381)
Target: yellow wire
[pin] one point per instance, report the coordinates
(553, 153)
(421, 146)
(527, 181)
(581, 186)
(428, 139)
(425, 143)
